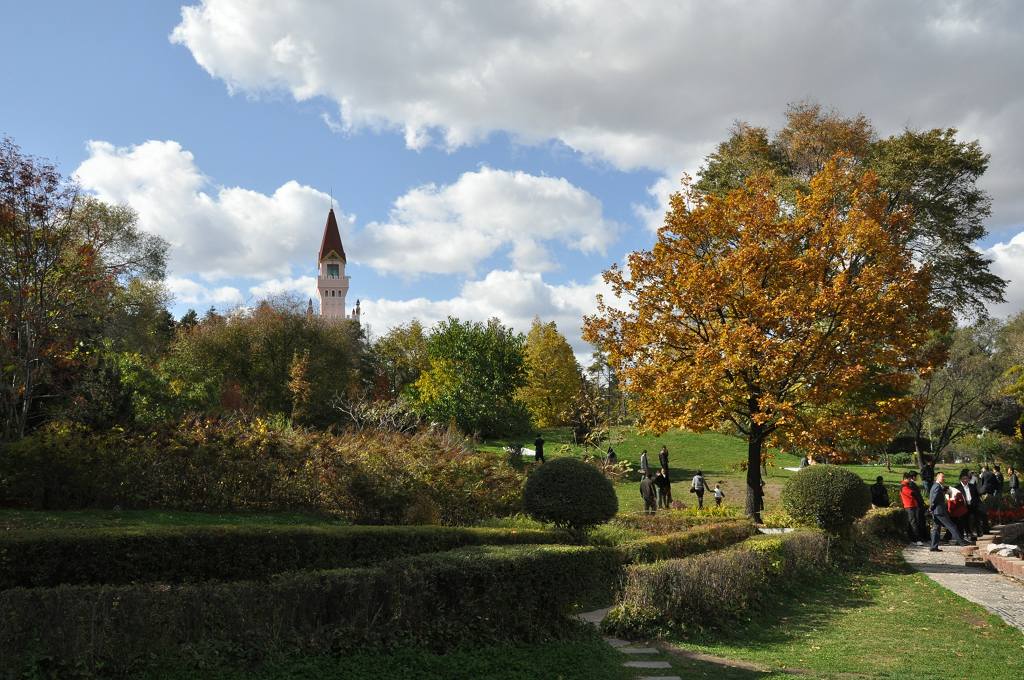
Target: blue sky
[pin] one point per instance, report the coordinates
(486, 159)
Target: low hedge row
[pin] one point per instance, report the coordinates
(465, 596)
(117, 556)
(673, 521)
(685, 543)
(715, 589)
(884, 523)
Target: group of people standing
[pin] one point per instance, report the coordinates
(656, 488)
(958, 510)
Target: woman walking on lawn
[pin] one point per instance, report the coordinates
(697, 487)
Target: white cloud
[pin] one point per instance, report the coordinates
(302, 286)
(634, 82)
(189, 292)
(512, 296)
(1008, 262)
(215, 232)
(453, 228)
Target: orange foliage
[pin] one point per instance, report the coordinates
(799, 325)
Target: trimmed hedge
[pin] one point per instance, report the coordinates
(571, 494)
(467, 596)
(686, 543)
(228, 553)
(670, 521)
(829, 497)
(716, 589)
(884, 523)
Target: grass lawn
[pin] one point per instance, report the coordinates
(882, 621)
(85, 519)
(717, 455)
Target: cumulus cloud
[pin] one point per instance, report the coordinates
(635, 83)
(453, 228)
(189, 292)
(515, 297)
(1008, 262)
(215, 232)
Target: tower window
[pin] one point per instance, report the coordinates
(333, 271)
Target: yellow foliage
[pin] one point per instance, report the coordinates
(552, 375)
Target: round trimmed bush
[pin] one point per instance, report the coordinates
(570, 494)
(826, 496)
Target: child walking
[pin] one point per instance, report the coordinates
(719, 494)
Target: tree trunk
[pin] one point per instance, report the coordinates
(755, 441)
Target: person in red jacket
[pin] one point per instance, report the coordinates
(913, 503)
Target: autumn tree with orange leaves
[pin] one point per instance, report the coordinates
(798, 323)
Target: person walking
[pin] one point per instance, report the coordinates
(663, 457)
(1000, 480)
(645, 465)
(649, 493)
(988, 481)
(927, 473)
(719, 494)
(910, 498)
(971, 522)
(664, 487)
(879, 494)
(697, 486)
(940, 513)
(538, 447)
(611, 458)
(1014, 484)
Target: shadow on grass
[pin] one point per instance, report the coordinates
(794, 613)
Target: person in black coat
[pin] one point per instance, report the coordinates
(649, 493)
(988, 481)
(879, 494)
(538, 447)
(664, 486)
(663, 457)
(940, 514)
(927, 473)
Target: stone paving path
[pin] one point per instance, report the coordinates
(1001, 595)
(644, 659)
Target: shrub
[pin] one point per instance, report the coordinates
(776, 519)
(826, 496)
(234, 464)
(884, 523)
(468, 596)
(570, 494)
(716, 589)
(116, 556)
(670, 521)
(685, 543)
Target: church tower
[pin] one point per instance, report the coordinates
(331, 282)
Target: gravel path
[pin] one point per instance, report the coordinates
(1001, 595)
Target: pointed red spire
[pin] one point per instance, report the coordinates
(332, 239)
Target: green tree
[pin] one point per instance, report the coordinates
(474, 376)
(400, 357)
(552, 374)
(929, 172)
(68, 263)
(265, 354)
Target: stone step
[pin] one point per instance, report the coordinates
(616, 642)
(638, 650)
(659, 677)
(647, 664)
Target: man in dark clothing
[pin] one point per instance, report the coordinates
(663, 457)
(664, 486)
(1014, 483)
(988, 481)
(879, 494)
(538, 447)
(940, 514)
(999, 480)
(649, 494)
(927, 473)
